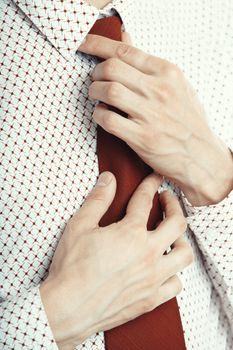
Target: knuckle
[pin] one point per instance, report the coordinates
(188, 255)
(174, 287)
(110, 67)
(165, 92)
(114, 92)
(172, 71)
(179, 262)
(147, 139)
(185, 257)
(150, 61)
(109, 123)
(177, 286)
(145, 197)
(92, 88)
(97, 196)
(181, 222)
(134, 227)
(123, 50)
(149, 304)
(93, 43)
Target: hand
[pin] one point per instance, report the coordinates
(103, 277)
(166, 126)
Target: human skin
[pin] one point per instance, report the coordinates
(103, 277)
(166, 126)
(98, 3)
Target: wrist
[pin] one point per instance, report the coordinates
(208, 193)
(49, 297)
(54, 299)
(209, 181)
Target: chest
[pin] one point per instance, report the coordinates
(48, 141)
(48, 145)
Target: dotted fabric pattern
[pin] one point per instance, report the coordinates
(25, 322)
(48, 151)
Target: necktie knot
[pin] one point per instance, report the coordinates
(109, 27)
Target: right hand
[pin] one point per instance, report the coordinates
(102, 277)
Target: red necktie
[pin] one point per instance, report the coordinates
(161, 328)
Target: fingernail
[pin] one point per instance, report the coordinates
(104, 179)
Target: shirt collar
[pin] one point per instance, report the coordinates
(65, 23)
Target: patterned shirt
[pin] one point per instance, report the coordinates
(48, 151)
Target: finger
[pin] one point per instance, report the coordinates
(117, 95)
(97, 202)
(139, 304)
(178, 258)
(126, 38)
(172, 227)
(114, 123)
(169, 289)
(106, 48)
(141, 202)
(170, 204)
(114, 69)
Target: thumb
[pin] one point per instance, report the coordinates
(98, 201)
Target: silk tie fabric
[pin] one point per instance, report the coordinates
(161, 328)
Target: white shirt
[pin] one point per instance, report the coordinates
(49, 163)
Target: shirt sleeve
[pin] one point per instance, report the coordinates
(213, 229)
(24, 324)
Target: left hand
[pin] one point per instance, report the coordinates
(166, 124)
